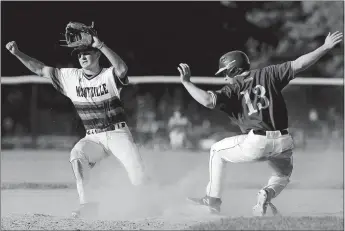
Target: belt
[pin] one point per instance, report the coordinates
(263, 133)
(111, 127)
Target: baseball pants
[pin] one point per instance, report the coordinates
(95, 147)
(274, 148)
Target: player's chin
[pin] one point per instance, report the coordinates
(84, 64)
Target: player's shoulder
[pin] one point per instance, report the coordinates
(272, 68)
(107, 71)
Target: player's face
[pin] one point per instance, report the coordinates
(88, 58)
(228, 78)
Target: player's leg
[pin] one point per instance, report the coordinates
(84, 155)
(122, 146)
(237, 149)
(280, 160)
(282, 170)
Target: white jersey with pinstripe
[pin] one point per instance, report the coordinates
(97, 101)
(96, 98)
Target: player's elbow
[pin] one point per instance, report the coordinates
(208, 102)
(45, 71)
(121, 70)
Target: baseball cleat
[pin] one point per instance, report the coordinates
(87, 210)
(260, 209)
(212, 203)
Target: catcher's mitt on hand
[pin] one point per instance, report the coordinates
(78, 35)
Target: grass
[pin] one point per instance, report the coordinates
(274, 223)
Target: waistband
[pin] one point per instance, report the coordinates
(264, 133)
(111, 127)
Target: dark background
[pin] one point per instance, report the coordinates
(154, 37)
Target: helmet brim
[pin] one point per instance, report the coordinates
(221, 70)
(225, 68)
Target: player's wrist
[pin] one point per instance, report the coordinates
(325, 47)
(17, 53)
(184, 81)
(100, 45)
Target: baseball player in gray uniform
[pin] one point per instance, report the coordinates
(253, 100)
(95, 93)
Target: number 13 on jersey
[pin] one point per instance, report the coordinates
(259, 92)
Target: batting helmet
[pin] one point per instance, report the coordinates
(234, 63)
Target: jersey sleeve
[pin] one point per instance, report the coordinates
(281, 73)
(59, 79)
(120, 82)
(221, 97)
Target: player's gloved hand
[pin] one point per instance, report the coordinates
(184, 72)
(333, 39)
(12, 47)
(97, 43)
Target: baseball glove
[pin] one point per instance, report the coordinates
(78, 35)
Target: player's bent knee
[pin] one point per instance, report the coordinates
(279, 180)
(76, 154)
(286, 172)
(81, 169)
(213, 148)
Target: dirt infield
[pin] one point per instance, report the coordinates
(38, 193)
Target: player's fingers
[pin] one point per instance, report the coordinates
(186, 67)
(338, 38)
(336, 34)
(182, 69)
(9, 46)
(337, 41)
(183, 66)
(179, 69)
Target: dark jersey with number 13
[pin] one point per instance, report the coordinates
(255, 101)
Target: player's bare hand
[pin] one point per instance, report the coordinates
(184, 72)
(97, 43)
(333, 39)
(12, 47)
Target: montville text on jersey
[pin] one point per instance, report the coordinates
(91, 91)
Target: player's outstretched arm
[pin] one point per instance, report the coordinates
(201, 96)
(32, 64)
(309, 59)
(119, 65)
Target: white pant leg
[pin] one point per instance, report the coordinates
(89, 148)
(281, 161)
(120, 143)
(85, 154)
(237, 149)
